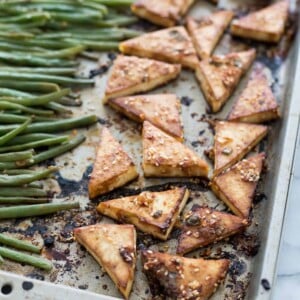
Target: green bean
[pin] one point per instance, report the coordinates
(94, 45)
(10, 46)
(10, 105)
(24, 191)
(18, 180)
(1, 260)
(64, 53)
(25, 18)
(18, 244)
(58, 108)
(13, 133)
(22, 200)
(17, 164)
(44, 77)
(55, 126)
(16, 156)
(77, 18)
(29, 138)
(16, 35)
(35, 185)
(36, 144)
(58, 150)
(29, 86)
(117, 21)
(70, 101)
(49, 71)
(18, 171)
(88, 4)
(31, 60)
(22, 211)
(39, 100)
(12, 119)
(115, 3)
(25, 258)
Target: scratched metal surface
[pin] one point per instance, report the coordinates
(74, 267)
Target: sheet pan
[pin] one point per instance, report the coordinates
(253, 254)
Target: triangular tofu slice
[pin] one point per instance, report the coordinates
(161, 110)
(163, 12)
(207, 31)
(177, 277)
(236, 186)
(203, 226)
(265, 25)
(257, 103)
(164, 156)
(172, 45)
(152, 212)
(114, 248)
(219, 75)
(113, 168)
(233, 141)
(131, 75)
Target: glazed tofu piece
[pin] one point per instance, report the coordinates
(265, 25)
(114, 248)
(172, 45)
(236, 186)
(177, 277)
(207, 31)
(162, 110)
(131, 75)
(203, 226)
(256, 104)
(151, 212)
(233, 141)
(164, 156)
(163, 12)
(113, 167)
(219, 75)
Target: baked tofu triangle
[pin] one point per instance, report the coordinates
(233, 141)
(257, 103)
(152, 212)
(161, 12)
(131, 75)
(113, 167)
(265, 25)
(203, 226)
(114, 248)
(161, 110)
(219, 75)
(177, 277)
(172, 45)
(206, 32)
(236, 186)
(164, 156)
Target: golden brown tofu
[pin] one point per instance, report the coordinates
(113, 168)
(265, 25)
(257, 103)
(177, 277)
(162, 110)
(236, 186)
(233, 141)
(219, 75)
(114, 248)
(151, 212)
(164, 156)
(131, 75)
(203, 226)
(163, 12)
(206, 32)
(171, 45)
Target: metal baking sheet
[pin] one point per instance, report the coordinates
(253, 254)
